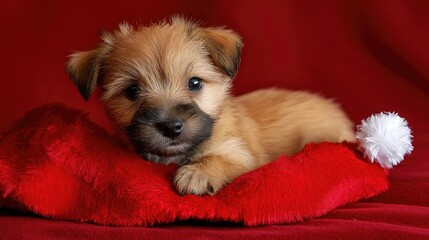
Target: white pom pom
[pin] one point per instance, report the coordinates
(385, 138)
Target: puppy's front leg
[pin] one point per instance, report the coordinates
(209, 174)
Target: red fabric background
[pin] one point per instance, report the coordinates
(370, 55)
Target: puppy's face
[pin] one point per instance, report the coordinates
(162, 85)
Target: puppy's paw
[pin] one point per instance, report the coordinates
(194, 179)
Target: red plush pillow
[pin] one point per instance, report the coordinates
(58, 164)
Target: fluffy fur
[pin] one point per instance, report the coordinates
(223, 136)
(56, 163)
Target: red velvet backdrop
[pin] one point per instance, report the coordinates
(370, 55)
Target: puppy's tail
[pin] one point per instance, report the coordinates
(385, 138)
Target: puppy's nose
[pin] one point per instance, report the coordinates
(171, 127)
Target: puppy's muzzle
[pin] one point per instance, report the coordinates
(167, 135)
(171, 127)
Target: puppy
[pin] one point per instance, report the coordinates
(166, 87)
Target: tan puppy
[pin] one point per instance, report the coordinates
(166, 87)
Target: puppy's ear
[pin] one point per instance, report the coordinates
(224, 46)
(84, 69)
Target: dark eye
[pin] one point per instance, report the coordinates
(195, 84)
(132, 92)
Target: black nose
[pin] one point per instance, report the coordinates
(171, 127)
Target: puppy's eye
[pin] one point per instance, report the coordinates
(132, 92)
(195, 84)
